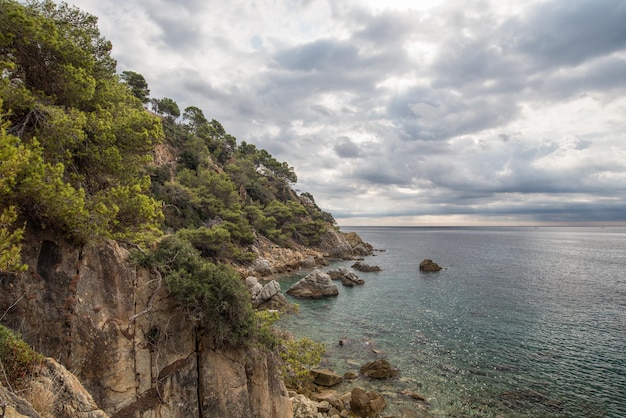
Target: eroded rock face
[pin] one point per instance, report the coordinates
(316, 284)
(348, 246)
(127, 342)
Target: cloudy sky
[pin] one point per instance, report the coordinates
(423, 112)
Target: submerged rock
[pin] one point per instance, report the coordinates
(379, 369)
(429, 265)
(314, 285)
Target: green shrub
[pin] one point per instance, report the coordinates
(299, 357)
(214, 294)
(17, 359)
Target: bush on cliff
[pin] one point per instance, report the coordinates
(17, 360)
(213, 294)
(298, 358)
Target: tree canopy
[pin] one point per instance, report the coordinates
(87, 137)
(76, 146)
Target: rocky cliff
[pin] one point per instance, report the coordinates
(130, 345)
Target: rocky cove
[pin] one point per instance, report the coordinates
(131, 350)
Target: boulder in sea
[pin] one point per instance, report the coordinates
(379, 369)
(351, 279)
(325, 377)
(350, 376)
(347, 277)
(360, 266)
(428, 265)
(366, 404)
(314, 285)
(338, 273)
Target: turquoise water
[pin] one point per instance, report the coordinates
(522, 322)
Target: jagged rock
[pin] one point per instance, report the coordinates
(366, 404)
(337, 273)
(314, 285)
(304, 407)
(308, 262)
(278, 302)
(347, 277)
(379, 369)
(12, 406)
(53, 392)
(330, 396)
(259, 293)
(429, 265)
(262, 266)
(346, 246)
(134, 348)
(324, 377)
(360, 266)
(352, 279)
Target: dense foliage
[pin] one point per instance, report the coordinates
(17, 360)
(76, 149)
(83, 137)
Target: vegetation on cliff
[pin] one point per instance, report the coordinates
(77, 151)
(17, 360)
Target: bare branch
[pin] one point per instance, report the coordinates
(9, 308)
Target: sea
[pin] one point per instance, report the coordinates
(521, 322)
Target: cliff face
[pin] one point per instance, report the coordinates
(128, 343)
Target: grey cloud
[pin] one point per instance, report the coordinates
(569, 32)
(318, 55)
(427, 114)
(345, 148)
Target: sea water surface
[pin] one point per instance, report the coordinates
(522, 322)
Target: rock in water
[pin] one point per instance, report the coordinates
(366, 404)
(379, 369)
(365, 267)
(324, 377)
(314, 285)
(429, 265)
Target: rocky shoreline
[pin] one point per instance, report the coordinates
(130, 349)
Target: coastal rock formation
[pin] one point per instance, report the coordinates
(347, 277)
(428, 265)
(360, 266)
(314, 285)
(304, 407)
(278, 302)
(379, 369)
(277, 260)
(346, 246)
(324, 377)
(366, 404)
(127, 341)
(260, 293)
